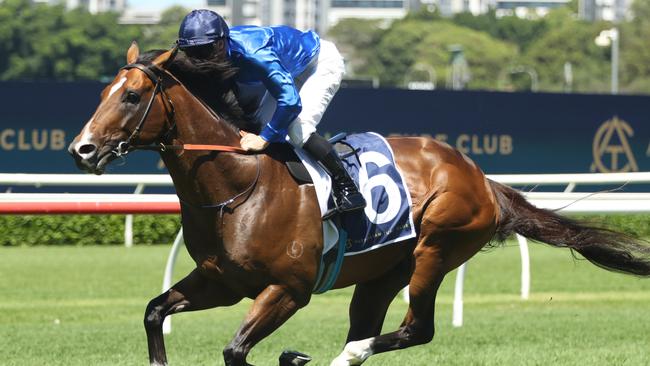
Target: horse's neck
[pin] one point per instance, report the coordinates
(196, 123)
(203, 177)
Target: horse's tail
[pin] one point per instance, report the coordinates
(605, 248)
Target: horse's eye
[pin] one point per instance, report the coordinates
(132, 98)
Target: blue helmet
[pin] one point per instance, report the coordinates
(201, 27)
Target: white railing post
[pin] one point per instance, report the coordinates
(169, 272)
(457, 317)
(525, 267)
(128, 221)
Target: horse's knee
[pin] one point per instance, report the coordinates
(235, 355)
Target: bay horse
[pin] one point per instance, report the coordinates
(254, 232)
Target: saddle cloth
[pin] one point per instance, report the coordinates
(387, 217)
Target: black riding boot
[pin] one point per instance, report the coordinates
(346, 192)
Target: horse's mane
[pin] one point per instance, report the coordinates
(211, 81)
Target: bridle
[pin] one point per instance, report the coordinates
(155, 74)
(126, 146)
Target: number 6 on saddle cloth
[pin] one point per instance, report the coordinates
(387, 218)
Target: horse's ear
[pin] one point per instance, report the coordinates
(165, 58)
(133, 53)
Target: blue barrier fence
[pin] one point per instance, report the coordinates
(502, 132)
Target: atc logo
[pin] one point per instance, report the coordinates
(611, 148)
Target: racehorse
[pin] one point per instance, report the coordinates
(255, 232)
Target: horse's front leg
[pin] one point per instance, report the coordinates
(194, 292)
(271, 308)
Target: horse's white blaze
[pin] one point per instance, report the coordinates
(354, 353)
(86, 135)
(116, 86)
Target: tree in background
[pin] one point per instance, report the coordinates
(513, 29)
(570, 40)
(38, 41)
(413, 42)
(165, 33)
(42, 42)
(635, 49)
(356, 39)
(495, 45)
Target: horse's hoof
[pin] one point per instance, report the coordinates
(293, 358)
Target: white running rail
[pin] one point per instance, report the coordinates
(139, 181)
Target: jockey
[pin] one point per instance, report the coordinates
(289, 75)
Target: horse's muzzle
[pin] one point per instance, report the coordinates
(90, 158)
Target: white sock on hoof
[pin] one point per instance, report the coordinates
(354, 353)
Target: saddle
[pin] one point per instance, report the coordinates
(285, 153)
(332, 257)
(386, 220)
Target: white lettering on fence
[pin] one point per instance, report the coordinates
(484, 144)
(32, 140)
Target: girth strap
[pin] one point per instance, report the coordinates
(331, 263)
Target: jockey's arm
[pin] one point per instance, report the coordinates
(279, 83)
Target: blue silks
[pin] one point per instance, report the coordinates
(274, 56)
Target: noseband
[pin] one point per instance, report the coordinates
(155, 75)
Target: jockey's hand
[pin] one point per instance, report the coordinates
(252, 142)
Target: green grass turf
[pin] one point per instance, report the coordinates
(84, 306)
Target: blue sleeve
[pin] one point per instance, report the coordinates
(279, 83)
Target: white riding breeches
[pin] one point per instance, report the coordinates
(317, 86)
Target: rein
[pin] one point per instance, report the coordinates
(124, 147)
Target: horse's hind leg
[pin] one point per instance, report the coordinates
(451, 232)
(371, 300)
(194, 292)
(417, 327)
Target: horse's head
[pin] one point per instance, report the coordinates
(132, 110)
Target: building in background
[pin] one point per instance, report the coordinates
(301, 14)
(323, 14)
(610, 10)
(93, 6)
(387, 10)
(129, 15)
(451, 7)
(237, 12)
(311, 14)
(529, 9)
(590, 10)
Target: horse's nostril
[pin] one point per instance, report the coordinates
(86, 149)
